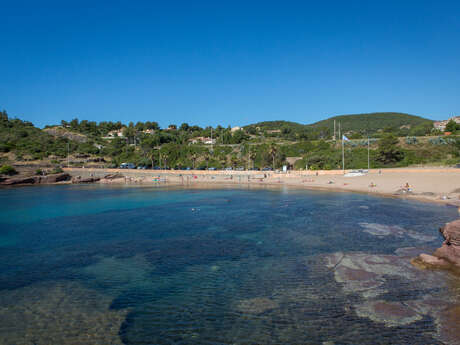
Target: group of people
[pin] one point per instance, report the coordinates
(407, 187)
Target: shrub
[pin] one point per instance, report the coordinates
(57, 170)
(8, 170)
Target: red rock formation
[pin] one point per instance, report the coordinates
(53, 178)
(79, 179)
(450, 249)
(449, 253)
(20, 180)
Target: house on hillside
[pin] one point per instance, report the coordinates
(149, 131)
(441, 125)
(118, 133)
(202, 140)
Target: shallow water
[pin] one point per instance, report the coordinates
(113, 265)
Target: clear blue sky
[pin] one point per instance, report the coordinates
(227, 62)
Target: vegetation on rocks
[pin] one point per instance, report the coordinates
(7, 170)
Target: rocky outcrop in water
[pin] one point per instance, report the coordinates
(48, 179)
(448, 256)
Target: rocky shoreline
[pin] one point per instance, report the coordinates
(448, 255)
(36, 179)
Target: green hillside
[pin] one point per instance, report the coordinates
(274, 125)
(372, 122)
(358, 124)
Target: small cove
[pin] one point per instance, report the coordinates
(234, 265)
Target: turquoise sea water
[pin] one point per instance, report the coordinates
(146, 265)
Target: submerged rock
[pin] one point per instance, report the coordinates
(394, 230)
(256, 305)
(382, 230)
(374, 276)
(58, 313)
(449, 325)
(366, 273)
(392, 314)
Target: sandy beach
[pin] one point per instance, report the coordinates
(426, 184)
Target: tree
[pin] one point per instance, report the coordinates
(139, 126)
(194, 160)
(451, 126)
(272, 151)
(8, 170)
(4, 116)
(184, 127)
(252, 157)
(206, 158)
(130, 133)
(234, 161)
(74, 124)
(388, 151)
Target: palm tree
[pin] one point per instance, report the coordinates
(152, 156)
(234, 161)
(130, 132)
(193, 160)
(273, 150)
(165, 160)
(206, 158)
(223, 161)
(252, 157)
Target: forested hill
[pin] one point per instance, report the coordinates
(399, 123)
(372, 122)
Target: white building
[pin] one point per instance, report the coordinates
(441, 125)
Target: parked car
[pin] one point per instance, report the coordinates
(127, 166)
(212, 168)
